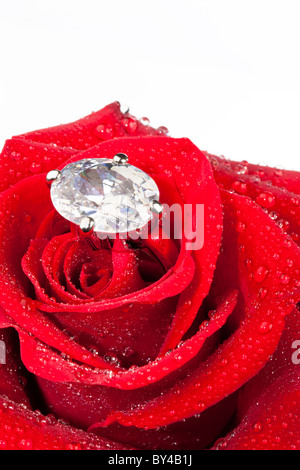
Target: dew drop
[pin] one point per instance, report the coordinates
(130, 125)
(284, 279)
(124, 108)
(35, 167)
(112, 359)
(214, 162)
(3, 444)
(220, 444)
(128, 351)
(263, 293)
(248, 263)
(266, 200)
(261, 274)
(265, 327)
(15, 155)
(273, 215)
(25, 444)
(26, 218)
(163, 130)
(240, 187)
(105, 131)
(241, 227)
(242, 169)
(145, 121)
(73, 447)
(295, 201)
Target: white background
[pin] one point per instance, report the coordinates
(225, 73)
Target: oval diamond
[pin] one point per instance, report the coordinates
(117, 197)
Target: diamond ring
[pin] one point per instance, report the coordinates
(105, 196)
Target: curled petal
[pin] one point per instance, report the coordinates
(259, 332)
(135, 377)
(106, 124)
(13, 374)
(277, 176)
(273, 195)
(21, 159)
(23, 429)
(268, 417)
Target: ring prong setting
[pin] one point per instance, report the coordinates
(156, 207)
(120, 159)
(87, 224)
(53, 175)
(104, 195)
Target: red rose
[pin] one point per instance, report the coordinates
(132, 354)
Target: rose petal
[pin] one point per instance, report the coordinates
(278, 177)
(43, 150)
(31, 264)
(13, 374)
(89, 329)
(135, 377)
(194, 433)
(53, 225)
(22, 429)
(106, 124)
(198, 188)
(258, 334)
(21, 159)
(15, 291)
(15, 298)
(280, 203)
(63, 398)
(269, 412)
(273, 424)
(126, 277)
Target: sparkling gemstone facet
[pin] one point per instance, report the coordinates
(117, 197)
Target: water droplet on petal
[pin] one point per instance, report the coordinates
(25, 444)
(3, 444)
(241, 227)
(124, 108)
(265, 327)
(27, 218)
(35, 167)
(130, 125)
(145, 121)
(284, 279)
(260, 274)
(240, 187)
(105, 131)
(266, 200)
(112, 359)
(242, 168)
(263, 293)
(15, 155)
(257, 427)
(273, 215)
(163, 130)
(295, 201)
(73, 447)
